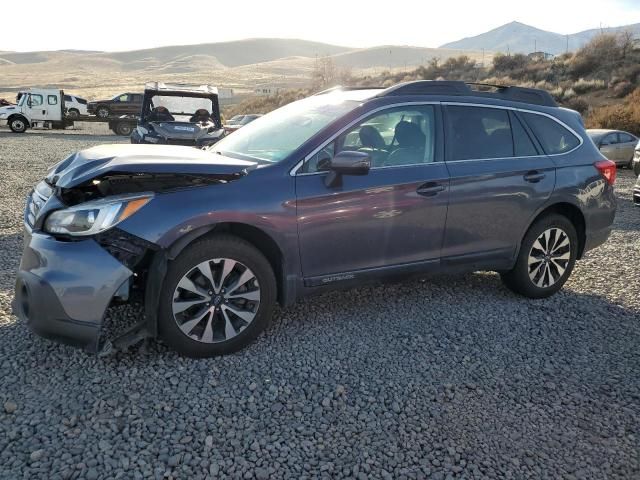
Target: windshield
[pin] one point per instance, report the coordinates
(23, 98)
(274, 136)
(182, 108)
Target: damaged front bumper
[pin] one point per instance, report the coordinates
(64, 287)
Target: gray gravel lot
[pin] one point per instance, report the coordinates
(444, 378)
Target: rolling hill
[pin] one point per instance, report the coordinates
(516, 37)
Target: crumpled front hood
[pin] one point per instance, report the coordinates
(143, 159)
(184, 130)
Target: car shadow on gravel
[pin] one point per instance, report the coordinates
(72, 135)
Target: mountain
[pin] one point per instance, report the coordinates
(516, 37)
(392, 56)
(232, 54)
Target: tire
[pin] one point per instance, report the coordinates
(209, 326)
(73, 114)
(124, 129)
(636, 169)
(103, 111)
(548, 276)
(18, 124)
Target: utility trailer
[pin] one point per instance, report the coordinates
(45, 108)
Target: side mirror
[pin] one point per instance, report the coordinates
(346, 163)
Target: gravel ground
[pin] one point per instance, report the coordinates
(444, 378)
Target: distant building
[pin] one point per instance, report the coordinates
(538, 56)
(266, 91)
(225, 93)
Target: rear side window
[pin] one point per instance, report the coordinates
(52, 100)
(523, 145)
(553, 137)
(67, 98)
(626, 138)
(479, 133)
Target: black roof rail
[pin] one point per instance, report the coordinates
(346, 89)
(447, 87)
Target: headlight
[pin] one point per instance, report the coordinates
(142, 131)
(94, 217)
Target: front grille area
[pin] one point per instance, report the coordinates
(36, 201)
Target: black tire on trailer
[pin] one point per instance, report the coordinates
(123, 128)
(73, 113)
(18, 124)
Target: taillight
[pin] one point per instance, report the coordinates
(607, 169)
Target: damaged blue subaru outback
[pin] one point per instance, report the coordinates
(349, 186)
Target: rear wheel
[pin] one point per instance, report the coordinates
(217, 297)
(18, 125)
(73, 114)
(547, 256)
(123, 129)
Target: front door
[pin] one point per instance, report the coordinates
(35, 107)
(499, 179)
(120, 105)
(394, 216)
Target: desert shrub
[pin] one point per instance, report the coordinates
(622, 89)
(584, 86)
(568, 94)
(577, 104)
(623, 116)
(265, 104)
(508, 63)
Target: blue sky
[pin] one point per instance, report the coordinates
(126, 25)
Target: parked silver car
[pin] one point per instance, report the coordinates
(616, 145)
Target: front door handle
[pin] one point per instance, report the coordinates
(534, 176)
(430, 189)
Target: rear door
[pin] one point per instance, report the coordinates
(627, 146)
(499, 178)
(609, 146)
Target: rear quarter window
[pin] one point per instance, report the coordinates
(553, 137)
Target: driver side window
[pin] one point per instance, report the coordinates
(394, 137)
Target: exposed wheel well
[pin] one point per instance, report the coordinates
(576, 217)
(259, 239)
(18, 115)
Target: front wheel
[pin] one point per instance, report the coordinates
(217, 297)
(547, 255)
(18, 125)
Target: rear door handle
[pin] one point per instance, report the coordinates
(430, 189)
(534, 176)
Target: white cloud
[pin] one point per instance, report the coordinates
(126, 25)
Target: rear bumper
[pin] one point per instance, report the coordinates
(64, 288)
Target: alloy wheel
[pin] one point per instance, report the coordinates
(549, 257)
(216, 300)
